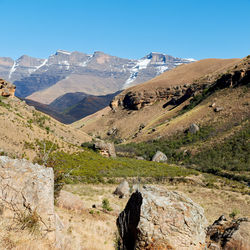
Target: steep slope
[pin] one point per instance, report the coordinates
(44, 108)
(70, 99)
(23, 131)
(73, 106)
(44, 80)
(156, 106)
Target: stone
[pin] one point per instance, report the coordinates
(70, 201)
(218, 109)
(224, 234)
(160, 157)
(106, 148)
(193, 129)
(122, 190)
(155, 218)
(213, 105)
(139, 158)
(29, 187)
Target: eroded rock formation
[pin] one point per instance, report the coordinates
(7, 89)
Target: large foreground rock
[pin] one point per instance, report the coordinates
(29, 187)
(229, 235)
(160, 157)
(155, 218)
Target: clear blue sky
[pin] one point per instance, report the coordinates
(126, 28)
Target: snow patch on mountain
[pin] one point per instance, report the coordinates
(85, 63)
(13, 69)
(141, 64)
(161, 69)
(190, 59)
(63, 52)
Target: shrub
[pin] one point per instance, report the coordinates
(106, 206)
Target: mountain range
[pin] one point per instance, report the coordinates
(47, 80)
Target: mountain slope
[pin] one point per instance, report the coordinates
(23, 131)
(147, 103)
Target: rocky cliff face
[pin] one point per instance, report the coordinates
(95, 74)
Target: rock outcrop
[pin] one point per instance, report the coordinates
(137, 100)
(224, 234)
(106, 148)
(160, 157)
(29, 188)
(7, 89)
(122, 190)
(155, 218)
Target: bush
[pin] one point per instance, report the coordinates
(106, 206)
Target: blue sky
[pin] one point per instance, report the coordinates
(126, 28)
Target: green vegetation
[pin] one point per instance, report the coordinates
(90, 167)
(106, 205)
(234, 213)
(171, 146)
(3, 104)
(228, 159)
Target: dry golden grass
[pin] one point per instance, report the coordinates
(97, 231)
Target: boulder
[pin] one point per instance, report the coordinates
(160, 157)
(155, 218)
(224, 234)
(218, 109)
(122, 190)
(193, 129)
(29, 188)
(106, 148)
(70, 201)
